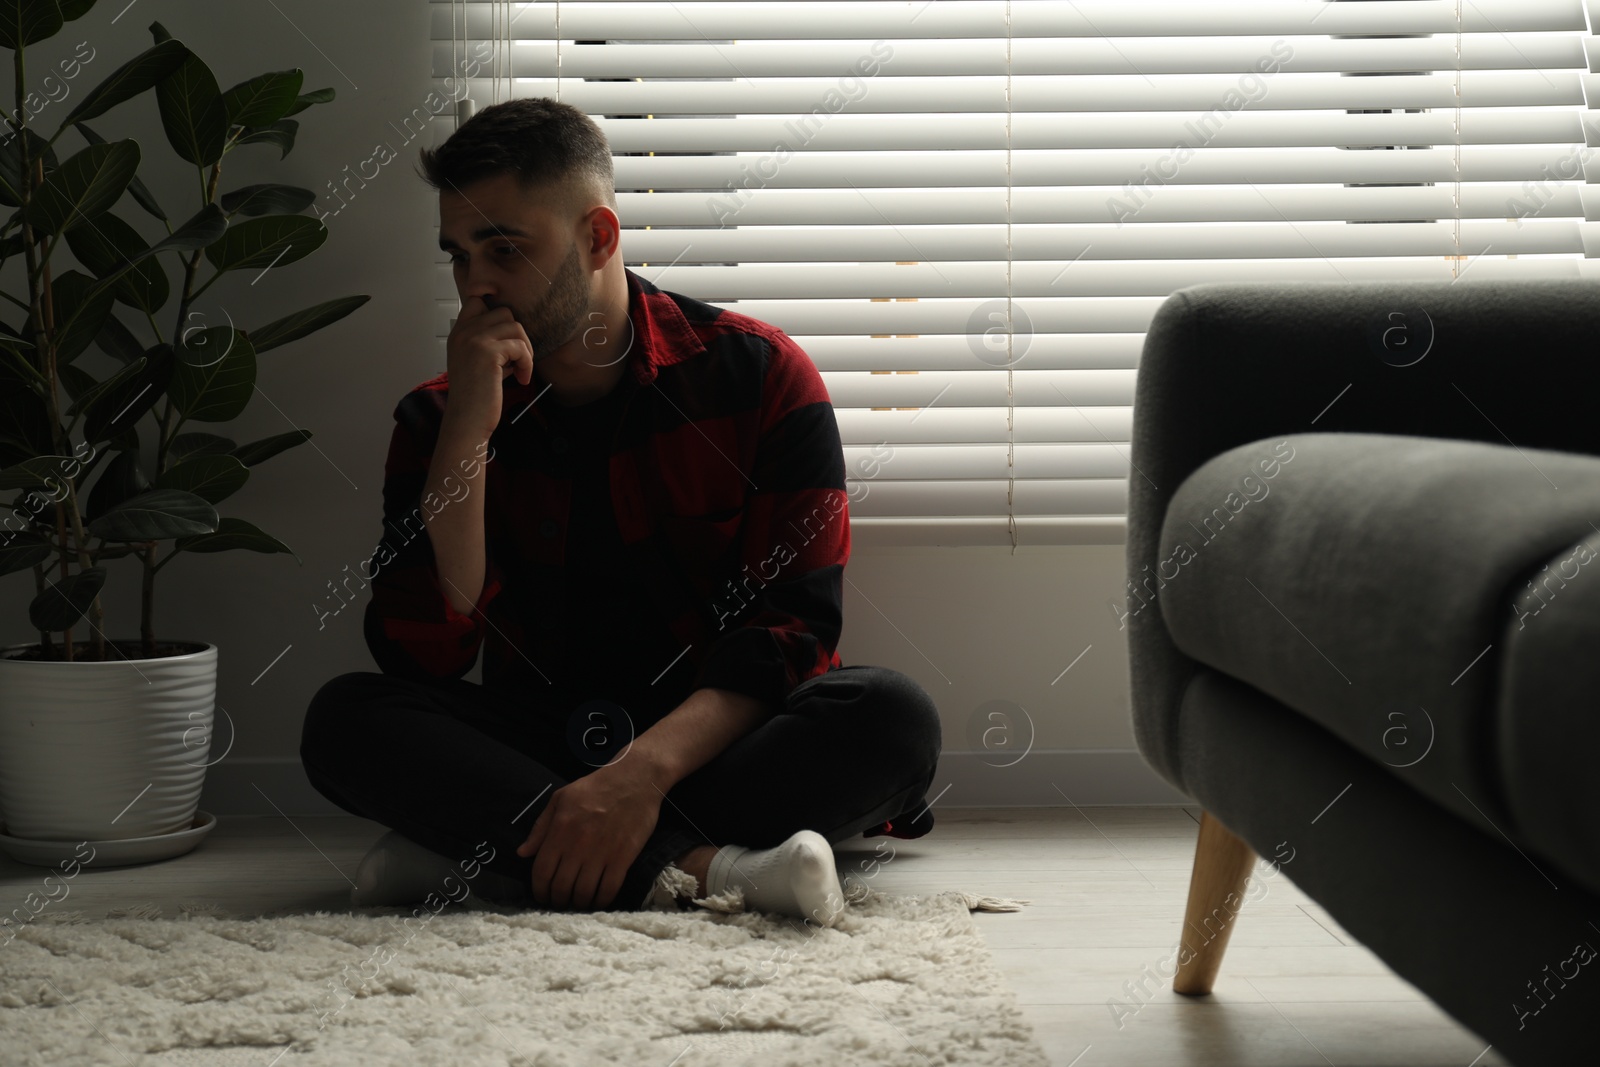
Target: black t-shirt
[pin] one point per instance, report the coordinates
(615, 642)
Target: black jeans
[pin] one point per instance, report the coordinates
(454, 764)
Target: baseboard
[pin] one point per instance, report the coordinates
(263, 786)
(1049, 779)
(278, 786)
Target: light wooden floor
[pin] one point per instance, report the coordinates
(1108, 888)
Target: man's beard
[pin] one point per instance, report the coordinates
(554, 322)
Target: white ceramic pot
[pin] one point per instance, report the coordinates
(102, 751)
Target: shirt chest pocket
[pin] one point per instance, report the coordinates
(706, 545)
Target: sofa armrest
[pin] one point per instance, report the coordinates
(1224, 364)
(1368, 581)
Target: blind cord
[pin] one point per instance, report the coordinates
(1011, 410)
(1456, 263)
(457, 67)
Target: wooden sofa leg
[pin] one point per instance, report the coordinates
(1222, 864)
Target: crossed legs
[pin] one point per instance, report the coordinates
(465, 771)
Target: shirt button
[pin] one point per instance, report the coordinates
(547, 528)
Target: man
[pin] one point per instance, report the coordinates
(634, 504)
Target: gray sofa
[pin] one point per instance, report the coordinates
(1363, 623)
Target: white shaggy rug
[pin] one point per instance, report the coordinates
(898, 980)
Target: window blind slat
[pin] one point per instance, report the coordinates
(936, 352)
(1157, 129)
(854, 19)
(1194, 93)
(1031, 204)
(932, 58)
(1064, 244)
(912, 462)
(936, 425)
(890, 497)
(962, 388)
(732, 176)
(792, 284)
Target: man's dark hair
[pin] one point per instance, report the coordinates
(544, 143)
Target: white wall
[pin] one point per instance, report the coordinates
(973, 625)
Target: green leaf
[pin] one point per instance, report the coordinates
(265, 199)
(212, 478)
(81, 308)
(39, 472)
(156, 514)
(24, 22)
(111, 244)
(85, 185)
(118, 410)
(234, 533)
(280, 133)
(129, 80)
(75, 380)
(121, 480)
(198, 232)
(159, 32)
(111, 385)
(11, 163)
(21, 366)
(264, 449)
(215, 376)
(22, 551)
(198, 444)
(25, 427)
(121, 445)
(117, 341)
(310, 320)
(65, 601)
(141, 195)
(71, 10)
(269, 240)
(264, 99)
(315, 96)
(13, 340)
(192, 112)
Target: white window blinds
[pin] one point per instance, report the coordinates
(967, 211)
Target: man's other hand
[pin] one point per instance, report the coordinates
(589, 834)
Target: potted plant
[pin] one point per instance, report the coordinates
(103, 739)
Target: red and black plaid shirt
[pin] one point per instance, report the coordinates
(727, 484)
(728, 490)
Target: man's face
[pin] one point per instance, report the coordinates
(532, 266)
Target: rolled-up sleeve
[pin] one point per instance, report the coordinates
(410, 627)
(795, 541)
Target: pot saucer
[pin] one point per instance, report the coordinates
(116, 853)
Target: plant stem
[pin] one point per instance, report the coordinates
(97, 637)
(169, 425)
(147, 635)
(209, 193)
(45, 644)
(36, 313)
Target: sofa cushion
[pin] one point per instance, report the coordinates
(1367, 581)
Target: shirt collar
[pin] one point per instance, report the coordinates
(662, 335)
